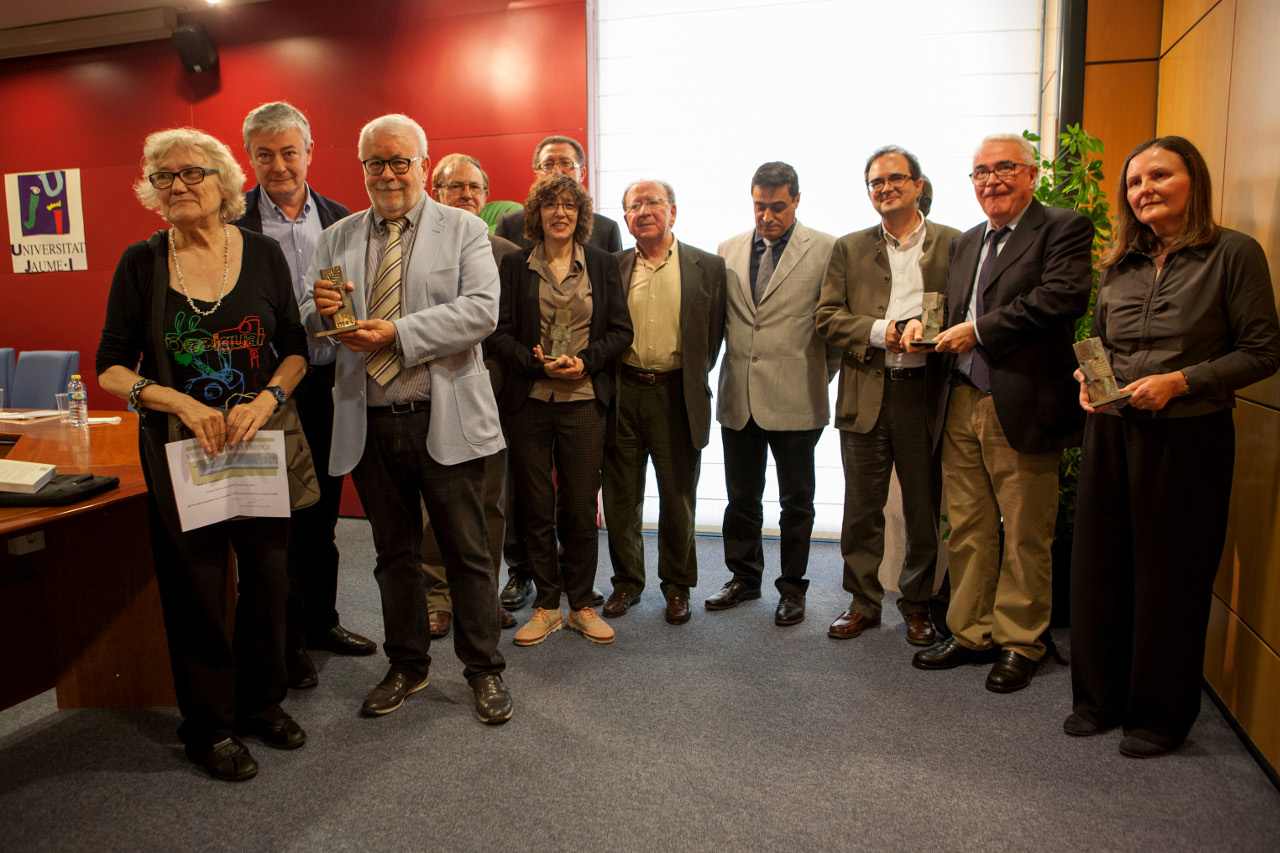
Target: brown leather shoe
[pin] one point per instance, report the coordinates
(919, 629)
(440, 621)
(618, 604)
(850, 624)
(505, 619)
(677, 610)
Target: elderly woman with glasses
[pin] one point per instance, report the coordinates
(202, 328)
(1186, 316)
(562, 323)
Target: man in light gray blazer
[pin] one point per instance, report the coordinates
(773, 388)
(414, 413)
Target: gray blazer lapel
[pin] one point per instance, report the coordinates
(738, 258)
(796, 249)
(356, 237)
(422, 258)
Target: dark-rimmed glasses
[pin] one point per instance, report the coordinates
(546, 167)
(190, 177)
(895, 181)
(399, 165)
(1004, 170)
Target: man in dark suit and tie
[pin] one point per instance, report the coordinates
(565, 156)
(283, 206)
(876, 279)
(662, 409)
(1016, 286)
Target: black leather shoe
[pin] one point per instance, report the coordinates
(302, 672)
(1011, 672)
(1136, 747)
(518, 590)
(340, 641)
(493, 700)
(228, 760)
(790, 609)
(597, 597)
(1077, 726)
(392, 691)
(281, 731)
(950, 654)
(731, 595)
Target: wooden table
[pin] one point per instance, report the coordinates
(79, 606)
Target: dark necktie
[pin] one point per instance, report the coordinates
(764, 273)
(979, 372)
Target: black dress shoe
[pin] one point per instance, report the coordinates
(518, 590)
(733, 594)
(790, 609)
(392, 691)
(1136, 747)
(1011, 672)
(228, 760)
(340, 641)
(493, 700)
(597, 597)
(950, 654)
(280, 731)
(1077, 726)
(301, 670)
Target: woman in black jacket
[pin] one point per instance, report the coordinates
(562, 323)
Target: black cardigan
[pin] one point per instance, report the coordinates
(520, 327)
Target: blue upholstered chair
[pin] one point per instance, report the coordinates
(6, 371)
(39, 375)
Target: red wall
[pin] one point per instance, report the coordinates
(486, 77)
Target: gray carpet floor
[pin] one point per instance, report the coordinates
(727, 732)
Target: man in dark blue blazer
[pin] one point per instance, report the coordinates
(1015, 287)
(282, 206)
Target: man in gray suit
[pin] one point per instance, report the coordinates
(566, 156)
(773, 389)
(877, 279)
(414, 414)
(662, 409)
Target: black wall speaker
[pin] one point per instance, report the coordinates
(195, 48)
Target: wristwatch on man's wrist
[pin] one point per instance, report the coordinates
(277, 392)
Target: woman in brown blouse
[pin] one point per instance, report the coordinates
(1186, 314)
(562, 323)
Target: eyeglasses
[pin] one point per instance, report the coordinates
(549, 166)
(569, 206)
(190, 177)
(399, 165)
(456, 187)
(1004, 170)
(895, 181)
(650, 203)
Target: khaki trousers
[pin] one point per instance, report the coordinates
(1003, 601)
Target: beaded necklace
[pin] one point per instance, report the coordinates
(226, 269)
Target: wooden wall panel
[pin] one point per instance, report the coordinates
(1119, 109)
(1245, 674)
(1195, 83)
(1250, 188)
(1249, 575)
(1122, 29)
(1179, 17)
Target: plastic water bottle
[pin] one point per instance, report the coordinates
(79, 401)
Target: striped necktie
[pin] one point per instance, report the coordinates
(979, 370)
(384, 303)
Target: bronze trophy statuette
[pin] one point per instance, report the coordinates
(931, 314)
(1099, 379)
(560, 332)
(345, 319)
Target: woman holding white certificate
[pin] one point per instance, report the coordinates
(205, 312)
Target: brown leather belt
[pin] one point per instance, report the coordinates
(648, 377)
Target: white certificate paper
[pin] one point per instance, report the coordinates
(246, 480)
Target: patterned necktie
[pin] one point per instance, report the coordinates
(384, 303)
(764, 273)
(979, 372)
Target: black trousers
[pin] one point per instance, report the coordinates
(568, 437)
(313, 553)
(393, 474)
(1150, 526)
(744, 474)
(219, 679)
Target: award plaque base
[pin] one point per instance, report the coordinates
(1118, 398)
(327, 332)
(929, 343)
